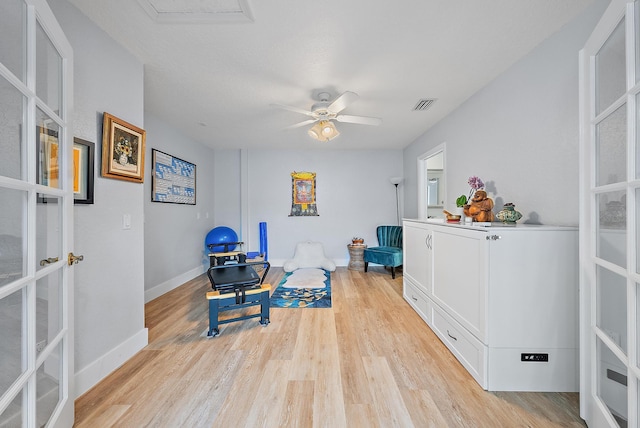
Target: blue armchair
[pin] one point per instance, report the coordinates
(389, 251)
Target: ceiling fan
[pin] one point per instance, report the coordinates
(324, 112)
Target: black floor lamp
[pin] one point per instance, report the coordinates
(395, 181)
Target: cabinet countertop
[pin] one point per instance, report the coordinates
(493, 226)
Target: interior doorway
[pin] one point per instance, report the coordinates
(432, 183)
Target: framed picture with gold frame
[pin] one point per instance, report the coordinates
(122, 150)
(303, 194)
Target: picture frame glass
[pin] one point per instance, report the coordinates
(83, 171)
(125, 154)
(49, 161)
(173, 180)
(123, 150)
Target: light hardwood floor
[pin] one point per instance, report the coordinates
(369, 361)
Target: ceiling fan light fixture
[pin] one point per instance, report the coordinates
(324, 130)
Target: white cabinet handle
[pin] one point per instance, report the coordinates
(414, 298)
(449, 334)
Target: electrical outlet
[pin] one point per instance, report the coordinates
(534, 357)
(40, 346)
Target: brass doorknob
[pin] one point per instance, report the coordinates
(73, 260)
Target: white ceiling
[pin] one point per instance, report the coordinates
(216, 81)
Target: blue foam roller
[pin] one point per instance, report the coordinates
(263, 240)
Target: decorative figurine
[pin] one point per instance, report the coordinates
(508, 214)
(479, 209)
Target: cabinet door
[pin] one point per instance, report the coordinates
(460, 276)
(534, 289)
(418, 255)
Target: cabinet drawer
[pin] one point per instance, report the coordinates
(471, 353)
(418, 300)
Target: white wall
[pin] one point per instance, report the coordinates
(353, 196)
(519, 133)
(227, 196)
(174, 233)
(109, 283)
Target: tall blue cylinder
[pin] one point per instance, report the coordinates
(263, 240)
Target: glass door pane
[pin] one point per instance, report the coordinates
(610, 70)
(49, 71)
(48, 244)
(12, 341)
(13, 416)
(612, 227)
(612, 383)
(11, 141)
(637, 325)
(12, 249)
(637, 145)
(611, 304)
(611, 148)
(12, 16)
(637, 221)
(48, 379)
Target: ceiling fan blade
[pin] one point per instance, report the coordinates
(298, 125)
(361, 120)
(342, 102)
(295, 109)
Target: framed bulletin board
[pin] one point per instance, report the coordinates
(173, 180)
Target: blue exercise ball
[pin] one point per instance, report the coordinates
(220, 235)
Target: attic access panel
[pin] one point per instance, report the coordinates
(197, 11)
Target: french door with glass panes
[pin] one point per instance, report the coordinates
(609, 219)
(36, 325)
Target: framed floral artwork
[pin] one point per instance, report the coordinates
(122, 150)
(303, 194)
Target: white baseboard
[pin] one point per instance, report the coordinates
(90, 375)
(169, 285)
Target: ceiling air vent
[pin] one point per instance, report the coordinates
(197, 11)
(424, 104)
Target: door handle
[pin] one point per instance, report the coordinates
(48, 261)
(73, 260)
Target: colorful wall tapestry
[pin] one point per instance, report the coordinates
(303, 194)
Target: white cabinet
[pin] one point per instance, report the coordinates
(417, 255)
(496, 296)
